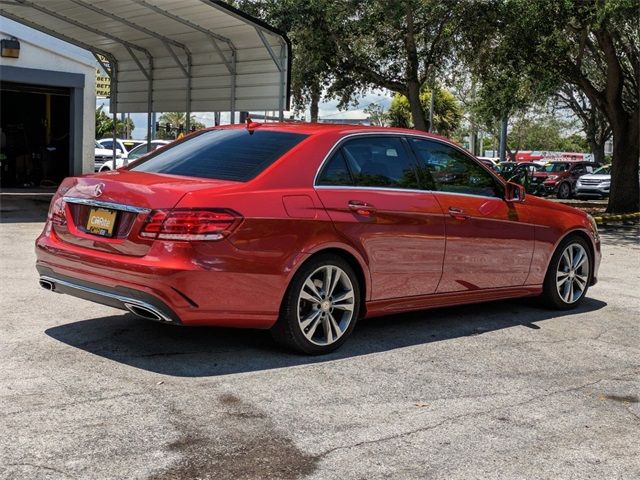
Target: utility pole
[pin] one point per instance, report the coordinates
(503, 139)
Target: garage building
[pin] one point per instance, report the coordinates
(46, 92)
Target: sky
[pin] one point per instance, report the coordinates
(327, 110)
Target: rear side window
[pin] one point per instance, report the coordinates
(237, 155)
(336, 172)
(380, 162)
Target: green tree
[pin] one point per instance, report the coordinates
(546, 133)
(312, 26)
(398, 45)
(175, 119)
(447, 113)
(594, 123)
(377, 116)
(104, 125)
(592, 45)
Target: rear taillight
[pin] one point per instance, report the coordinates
(190, 224)
(57, 214)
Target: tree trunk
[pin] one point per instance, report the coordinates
(413, 83)
(315, 100)
(598, 150)
(417, 113)
(625, 192)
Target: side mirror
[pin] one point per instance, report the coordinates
(514, 192)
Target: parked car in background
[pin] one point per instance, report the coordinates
(101, 155)
(521, 173)
(134, 154)
(304, 229)
(596, 184)
(490, 162)
(559, 178)
(122, 146)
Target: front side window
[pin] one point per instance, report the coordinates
(447, 169)
(224, 154)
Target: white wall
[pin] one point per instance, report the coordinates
(41, 51)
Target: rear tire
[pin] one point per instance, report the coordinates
(320, 308)
(569, 274)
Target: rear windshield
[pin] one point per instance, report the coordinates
(237, 155)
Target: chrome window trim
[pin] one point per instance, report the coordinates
(110, 205)
(400, 135)
(407, 190)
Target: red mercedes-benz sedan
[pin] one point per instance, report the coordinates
(305, 229)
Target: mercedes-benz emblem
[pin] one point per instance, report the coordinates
(98, 190)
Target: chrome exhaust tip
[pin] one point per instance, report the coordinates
(47, 285)
(144, 312)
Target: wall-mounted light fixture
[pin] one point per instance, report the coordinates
(10, 47)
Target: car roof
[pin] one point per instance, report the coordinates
(335, 128)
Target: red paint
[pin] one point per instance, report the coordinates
(415, 249)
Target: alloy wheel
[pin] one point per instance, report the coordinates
(572, 274)
(326, 305)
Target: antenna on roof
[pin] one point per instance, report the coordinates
(251, 124)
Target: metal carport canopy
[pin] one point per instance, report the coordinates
(171, 55)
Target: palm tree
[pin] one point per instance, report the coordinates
(175, 119)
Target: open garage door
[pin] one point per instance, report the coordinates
(36, 135)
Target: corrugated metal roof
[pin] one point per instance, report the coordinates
(192, 55)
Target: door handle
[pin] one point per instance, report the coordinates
(457, 213)
(362, 208)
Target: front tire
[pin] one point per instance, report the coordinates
(320, 308)
(564, 191)
(569, 274)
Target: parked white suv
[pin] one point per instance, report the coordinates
(596, 184)
(123, 146)
(102, 155)
(133, 154)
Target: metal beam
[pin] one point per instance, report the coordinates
(140, 28)
(213, 37)
(59, 36)
(146, 73)
(78, 24)
(269, 49)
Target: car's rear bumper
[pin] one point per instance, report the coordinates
(226, 290)
(140, 303)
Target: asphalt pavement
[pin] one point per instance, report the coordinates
(505, 390)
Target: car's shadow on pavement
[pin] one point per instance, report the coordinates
(208, 351)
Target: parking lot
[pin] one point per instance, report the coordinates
(502, 390)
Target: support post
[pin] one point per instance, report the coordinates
(281, 101)
(114, 116)
(233, 89)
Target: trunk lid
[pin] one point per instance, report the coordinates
(125, 198)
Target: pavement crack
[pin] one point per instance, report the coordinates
(43, 467)
(457, 417)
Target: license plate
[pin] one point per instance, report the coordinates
(101, 221)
